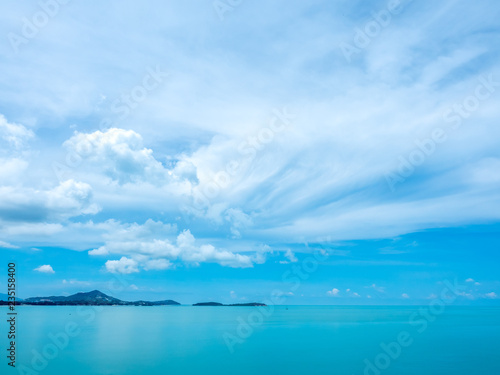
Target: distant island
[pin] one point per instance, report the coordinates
(233, 304)
(94, 298)
(97, 298)
(5, 297)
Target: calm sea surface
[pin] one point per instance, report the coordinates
(248, 340)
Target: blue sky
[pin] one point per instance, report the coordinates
(206, 151)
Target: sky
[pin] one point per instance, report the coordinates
(338, 152)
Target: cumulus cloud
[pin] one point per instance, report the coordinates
(120, 154)
(157, 264)
(491, 295)
(72, 198)
(151, 248)
(68, 199)
(405, 296)
(13, 135)
(46, 268)
(124, 265)
(334, 292)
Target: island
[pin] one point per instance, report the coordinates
(93, 298)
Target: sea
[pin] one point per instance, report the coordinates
(290, 340)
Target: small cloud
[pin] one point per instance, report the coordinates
(379, 289)
(491, 295)
(404, 295)
(134, 287)
(477, 284)
(124, 265)
(368, 296)
(291, 256)
(46, 268)
(334, 292)
(6, 245)
(466, 295)
(35, 249)
(157, 264)
(351, 293)
(233, 294)
(432, 296)
(469, 280)
(65, 281)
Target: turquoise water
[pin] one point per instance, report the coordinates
(298, 340)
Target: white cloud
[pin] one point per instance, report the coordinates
(157, 264)
(238, 220)
(153, 251)
(14, 135)
(404, 295)
(72, 198)
(379, 289)
(469, 280)
(291, 256)
(7, 245)
(123, 266)
(46, 268)
(491, 295)
(12, 169)
(68, 199)
(120, 154)
(334, 292)
(352, 294)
